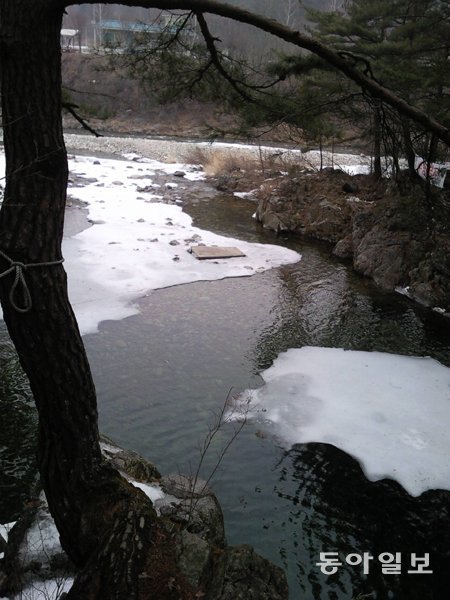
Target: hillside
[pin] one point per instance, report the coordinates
(111, 101)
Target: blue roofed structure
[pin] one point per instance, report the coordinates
(114, 33)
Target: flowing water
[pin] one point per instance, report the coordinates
(162, 375)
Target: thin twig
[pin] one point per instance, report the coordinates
(71, 109)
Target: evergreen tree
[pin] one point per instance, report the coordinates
(402, 44)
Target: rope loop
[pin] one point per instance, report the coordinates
(20, 282)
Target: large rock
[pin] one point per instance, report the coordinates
(299, 205)
(195, 559)
(392, 233)
(201, 516)
(241, 574)
(129, 462)
(188, 510)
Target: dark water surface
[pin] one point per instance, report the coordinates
(161, 375)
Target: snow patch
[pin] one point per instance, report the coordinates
(390, 412)
(48, 589)
(154, 492)
(137, 244)
(5, 528)
(41, 541)
(243, 195)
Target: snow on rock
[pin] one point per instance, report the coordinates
(5, 528)
(244, 195)
(154, 492)
(390, 412)
(41, 541)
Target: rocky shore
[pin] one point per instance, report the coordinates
(391, 233)
(34, 562)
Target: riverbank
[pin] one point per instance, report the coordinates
(136, 237)
(163, 371)
(391, 232)
(35, 567)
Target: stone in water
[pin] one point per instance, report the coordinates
(204, 252)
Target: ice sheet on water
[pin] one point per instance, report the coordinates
(138, 244)
(390, 412)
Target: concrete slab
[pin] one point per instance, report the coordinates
(211, 252)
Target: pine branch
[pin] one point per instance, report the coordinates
(71, 109)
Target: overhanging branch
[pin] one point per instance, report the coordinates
(210, 44)
(300, 40)
(71, 108)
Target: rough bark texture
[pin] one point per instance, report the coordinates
(106, 525)
(31, 225)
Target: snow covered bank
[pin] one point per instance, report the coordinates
(167, 150)
(390, 412)
(137, 243)
(44, 589)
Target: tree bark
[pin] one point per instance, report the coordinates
(408, 146)
(31, 225)
(377, 126)
(107, 526)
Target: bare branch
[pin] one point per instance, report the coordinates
(302, 41)
(210, 44)
(71, 109)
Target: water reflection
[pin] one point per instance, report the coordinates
(161, 374)
(333, 508)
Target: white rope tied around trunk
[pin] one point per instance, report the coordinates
(19, 280)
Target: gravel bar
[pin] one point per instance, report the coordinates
(174, 151)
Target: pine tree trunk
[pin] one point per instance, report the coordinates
(107, 527)
(31, 225)
(408, 145)
(377, 133)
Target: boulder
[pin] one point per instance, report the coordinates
(189, 512)
(391, 231)
(298, 205)
(129, 462)
(241, 574)
(194, 558)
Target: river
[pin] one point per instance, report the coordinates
(161, 376)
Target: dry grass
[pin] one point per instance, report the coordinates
(256, 163)
(222, 161)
